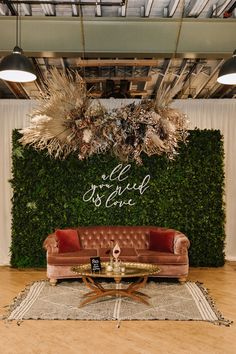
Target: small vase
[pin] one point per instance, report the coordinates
(116, 268)
(109, 268)
(122, 268)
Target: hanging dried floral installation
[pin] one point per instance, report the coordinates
(68, 121)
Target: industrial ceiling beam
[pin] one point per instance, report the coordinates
(64, 2)
(27, 9)
(148, 8)
(161, 76)
(117, 79)
(195, 8)
(180, 73)
(172, 7)
(17, 89)
(122, 9)
(206, 82)
(10, 7)
(40, 77)
(231, 91)
(48, 9)
(3, 9)
(106, 37)
(218, 9)
(220, 91)
(98, 8)
(213, 93)
(116, 62)
(133, 93)
(74, 8)
(195, 68)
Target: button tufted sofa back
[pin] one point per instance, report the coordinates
(127, 236)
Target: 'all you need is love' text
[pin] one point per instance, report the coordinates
(111, 192)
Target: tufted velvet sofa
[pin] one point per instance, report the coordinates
(135, 244)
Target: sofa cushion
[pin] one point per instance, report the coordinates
(162, 240)
(68, 240)
(159, 258)
(126, 255)
(72, 258)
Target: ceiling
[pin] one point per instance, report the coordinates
(123, 48)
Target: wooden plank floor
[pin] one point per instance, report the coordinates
(133, 337)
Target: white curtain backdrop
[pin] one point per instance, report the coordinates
(219, 114)
(203, 114)
(13, 114)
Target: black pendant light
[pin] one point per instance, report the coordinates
(227, 73)
(17, 67)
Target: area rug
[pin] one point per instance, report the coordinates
(168, 301)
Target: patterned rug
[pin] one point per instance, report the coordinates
(168, 301)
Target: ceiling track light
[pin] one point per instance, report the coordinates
(227, 73)
(195, 8)
(16, 67)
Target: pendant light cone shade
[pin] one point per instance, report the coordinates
(16, 67)
(227, 73)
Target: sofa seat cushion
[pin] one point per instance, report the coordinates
(126, 255)
(72, 258)
(148, 256)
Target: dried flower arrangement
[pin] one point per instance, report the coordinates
(68, 121)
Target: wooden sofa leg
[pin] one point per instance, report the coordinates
(53, 282)
(182, 280)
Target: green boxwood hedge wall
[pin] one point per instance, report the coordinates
(185, 194)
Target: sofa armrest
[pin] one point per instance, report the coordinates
(51, 244)
(181, 244)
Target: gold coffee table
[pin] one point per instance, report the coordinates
(140, 271)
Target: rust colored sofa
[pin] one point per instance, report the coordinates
(167, 248)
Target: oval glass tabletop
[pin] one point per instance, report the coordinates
(131, 269)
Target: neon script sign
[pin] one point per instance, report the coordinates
(114, 187)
